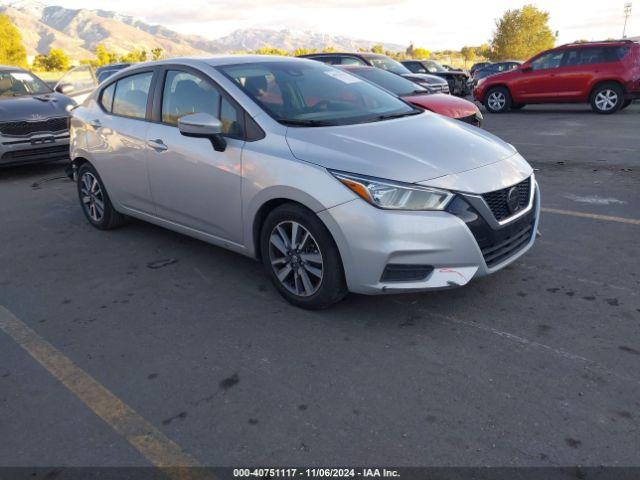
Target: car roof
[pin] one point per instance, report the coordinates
(8, 68)
(603, 43)
(220, 60)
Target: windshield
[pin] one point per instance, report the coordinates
(386, 63)
(20, 84)
(434, 67)
(390, 81)
(314, 94)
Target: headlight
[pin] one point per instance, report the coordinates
(391, 195)
(481, 81)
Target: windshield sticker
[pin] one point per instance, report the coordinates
(23, 77)
(343, 77)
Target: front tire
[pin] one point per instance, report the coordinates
(498, 100)
(301, 258)
(95, 201)
(607, 98)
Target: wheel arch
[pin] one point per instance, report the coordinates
(601, 82)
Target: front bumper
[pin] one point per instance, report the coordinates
(371, 239)
(36, 148)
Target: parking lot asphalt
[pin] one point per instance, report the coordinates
(536, 365)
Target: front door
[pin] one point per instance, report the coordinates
(538, 82)
(192, 184)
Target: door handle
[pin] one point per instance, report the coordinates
(158, 145)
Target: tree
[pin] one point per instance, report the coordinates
(521, 33)
(12, 51)
(157, 53)
(55, 61)
(104, 57)
(377, 48)
(469, 54)
(421, 53)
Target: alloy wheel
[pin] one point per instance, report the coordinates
(92, 196)
(296, 258)
(497, 100)
(606, 100)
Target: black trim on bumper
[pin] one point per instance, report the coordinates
(500, 244)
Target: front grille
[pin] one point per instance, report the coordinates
(471, 120)
(56, 152)
(23, 128)
(497, 201)
(439, 88)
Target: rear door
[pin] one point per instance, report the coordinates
(192, 184)
(116, 140)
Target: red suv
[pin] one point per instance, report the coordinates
(604, 74)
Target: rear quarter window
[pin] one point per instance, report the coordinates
(106, 98)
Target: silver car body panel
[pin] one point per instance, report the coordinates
(219, 196)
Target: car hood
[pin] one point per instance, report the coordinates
(409, 149)
(424, 77)
(34, 108)
(447, 105)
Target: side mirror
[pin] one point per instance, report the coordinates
(525, 67)
(65, 88)
(203, 125)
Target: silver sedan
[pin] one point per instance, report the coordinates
(333, 183)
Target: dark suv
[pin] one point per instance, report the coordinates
(432, 83)
(458, 80)
(604, 74)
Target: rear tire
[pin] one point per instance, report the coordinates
(301, 258)
(95, 201)
(607, 98)
(498, 100)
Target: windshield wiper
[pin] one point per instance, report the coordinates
(389, 116)
(305, 123)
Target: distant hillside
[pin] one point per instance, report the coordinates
(78, 32)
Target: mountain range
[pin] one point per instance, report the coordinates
(79, 31)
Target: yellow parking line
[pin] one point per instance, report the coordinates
(594, 216)
(161, 451)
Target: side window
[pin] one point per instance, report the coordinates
(590, 56)
(547, 61)
(185, 93)
(106, 99)
(231, 118)
(130, 99)
(351, 61)
(615, 54)
(571, 58)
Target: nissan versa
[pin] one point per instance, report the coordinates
(334, 184)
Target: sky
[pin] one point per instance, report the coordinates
(434, 25)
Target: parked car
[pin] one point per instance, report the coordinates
(104, 72)
(431, 82)
(459, 82)
(77, 83)
(478, 66)
(446, 105)
(604, 74)
(494, 69)
(34, 119)
(333, 183)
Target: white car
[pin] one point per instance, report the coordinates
(333, 183)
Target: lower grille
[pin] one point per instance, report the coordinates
(499, 252)
(497, 245)
(56, 152)
(23, 128)
(498, 200)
